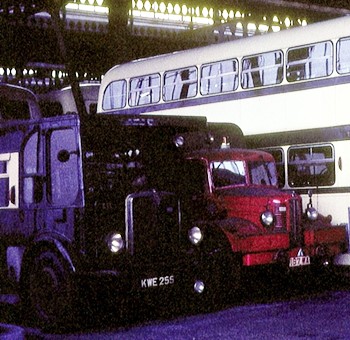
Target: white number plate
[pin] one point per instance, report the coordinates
(158, 281)
(299, 261)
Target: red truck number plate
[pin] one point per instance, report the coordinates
(299, 261)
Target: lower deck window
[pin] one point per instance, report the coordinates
(311, 166)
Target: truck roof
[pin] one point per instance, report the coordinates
(17, 103)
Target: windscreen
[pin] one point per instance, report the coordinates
(238, 172)
(263, 173)
(227, 173)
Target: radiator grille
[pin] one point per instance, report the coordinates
(295, 225)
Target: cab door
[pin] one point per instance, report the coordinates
(52, 184)
(64, 178)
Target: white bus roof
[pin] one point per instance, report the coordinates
(295, 36)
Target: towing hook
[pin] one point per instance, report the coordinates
(281, 256)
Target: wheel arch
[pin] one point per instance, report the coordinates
(56, 243)
(50, 254)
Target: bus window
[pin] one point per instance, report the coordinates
(310, 61)
(261, 70)
(343, 55)
(144, 90)
(114, 96)
(219, 77)
(180, 84)
(311, 166)
(278, 155)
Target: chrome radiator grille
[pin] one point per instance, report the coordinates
(295, 225)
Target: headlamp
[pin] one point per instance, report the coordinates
(195, 235)
(267, 218)
(115, 242)
(179, 141)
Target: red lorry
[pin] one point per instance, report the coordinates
(238, 188)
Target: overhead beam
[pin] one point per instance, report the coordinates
(304, 6)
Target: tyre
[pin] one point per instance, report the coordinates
(48, 299)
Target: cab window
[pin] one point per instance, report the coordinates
(32, 188)
(13, 109)
(64, 171)
(278, 155)
(228, 173)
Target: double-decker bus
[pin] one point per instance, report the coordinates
(287, 91)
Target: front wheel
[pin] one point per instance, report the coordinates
(48, 299)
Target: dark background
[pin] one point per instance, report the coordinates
(25, 39)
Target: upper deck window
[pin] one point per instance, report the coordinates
(180, 84)
(262, 70)
(114, 96)
(343, 55)
(310, 61)
(144, 90)
(219, 77)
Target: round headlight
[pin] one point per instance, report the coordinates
(195, 235)
(115, 242)
(199, 286)
(267, 218)
(311, 214)
(179, 141)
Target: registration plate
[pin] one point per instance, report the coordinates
(299, 261)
